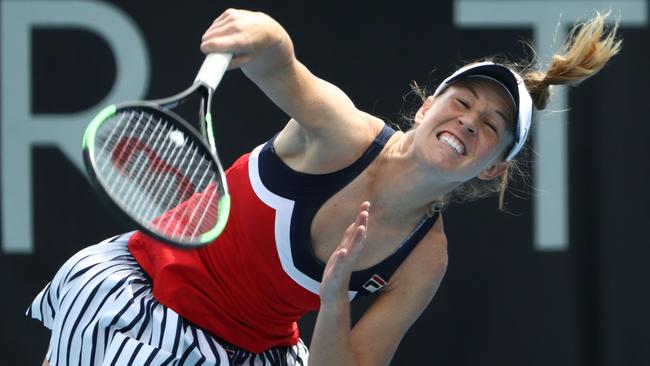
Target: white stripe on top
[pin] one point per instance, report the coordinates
(283, 211)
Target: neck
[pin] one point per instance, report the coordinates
(413, 187)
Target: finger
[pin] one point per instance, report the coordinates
(361, 218)
(222, 21)
(337, 264)
(219, 30)
(362, 233)
(220, 18)
(227, 14)
(341, 255)
(344, 257)
(353, 242)
(356, 244)
(238, 61)
(348, 235)
(228, 28)
(365, 206)
(340, 262)
(231, 44)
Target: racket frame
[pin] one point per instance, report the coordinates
(164, 107)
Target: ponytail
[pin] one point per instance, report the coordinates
(587, 50)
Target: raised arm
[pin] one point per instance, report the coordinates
(264, 52)
(326, 131)
(375, 337)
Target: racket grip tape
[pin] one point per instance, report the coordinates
(213, 68)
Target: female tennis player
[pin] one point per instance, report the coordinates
(335, 206)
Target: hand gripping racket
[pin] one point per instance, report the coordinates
(156, 170)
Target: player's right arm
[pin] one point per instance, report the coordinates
(324, 114)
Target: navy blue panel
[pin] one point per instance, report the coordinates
(280, 179)
(388, 266)
(310, 191)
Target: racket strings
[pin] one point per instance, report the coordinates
(158, 175)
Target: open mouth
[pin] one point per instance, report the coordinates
(453, 142)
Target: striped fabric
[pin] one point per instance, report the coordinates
(101, 311)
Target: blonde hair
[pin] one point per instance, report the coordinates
(589, 46)
(586, 51)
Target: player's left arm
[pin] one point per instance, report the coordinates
(376, 336)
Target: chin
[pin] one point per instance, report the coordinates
(455, 170)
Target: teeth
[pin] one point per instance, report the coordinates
(453, 142)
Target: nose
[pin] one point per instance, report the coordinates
(468, 124)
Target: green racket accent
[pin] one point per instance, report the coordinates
(224, 212)
(208, 122)
(89, 136)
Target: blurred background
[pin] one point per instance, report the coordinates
(559, 280)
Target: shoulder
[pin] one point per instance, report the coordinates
(318, 153)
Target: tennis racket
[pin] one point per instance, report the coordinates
(157, 171)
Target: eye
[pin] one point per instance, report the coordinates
(491, 125)
(462, 102)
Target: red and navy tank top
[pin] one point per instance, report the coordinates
(261, 275)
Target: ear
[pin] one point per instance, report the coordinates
(419, 116)
(494, 170)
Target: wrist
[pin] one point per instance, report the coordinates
(337, 302)
(276, 56)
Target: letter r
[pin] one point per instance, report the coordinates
(20, 129)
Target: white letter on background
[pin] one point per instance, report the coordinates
(20, 129)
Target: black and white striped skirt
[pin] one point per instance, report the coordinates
(101, 311)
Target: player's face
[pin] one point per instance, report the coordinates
(464, 132)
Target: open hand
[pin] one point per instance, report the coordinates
(336, 277)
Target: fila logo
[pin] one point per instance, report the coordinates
(374, 284)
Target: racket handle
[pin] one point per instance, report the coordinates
(213, 68)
